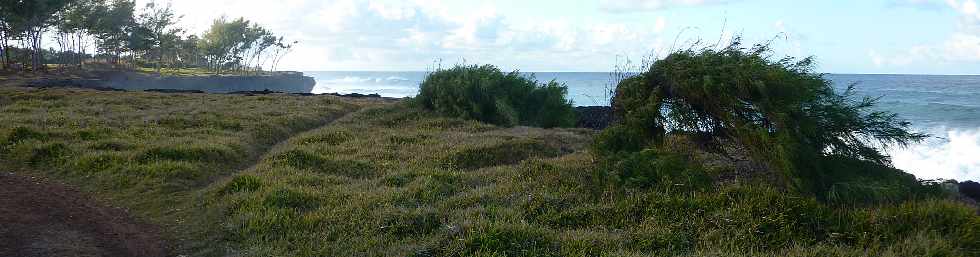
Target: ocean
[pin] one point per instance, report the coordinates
(947, 107)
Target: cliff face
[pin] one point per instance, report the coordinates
(289, 82)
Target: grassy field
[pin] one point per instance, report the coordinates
(393, 180)
(396, 181)
(149, 152)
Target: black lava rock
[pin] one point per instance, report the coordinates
(251, 93)
(356, 95)
(93, 84)
(594, 117)
(174, 91)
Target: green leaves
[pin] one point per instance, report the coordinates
(781, 111)
(486, 94)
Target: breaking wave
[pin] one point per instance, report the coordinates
(952, 154)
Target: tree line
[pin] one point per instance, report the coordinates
(117, 33)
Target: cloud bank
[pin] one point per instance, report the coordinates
(963, 46)
(412, 35)
(652, 5)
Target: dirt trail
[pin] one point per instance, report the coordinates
(44, 218)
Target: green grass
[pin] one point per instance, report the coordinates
(150, 152)
(365, 186)
(177, 72)
(396, 180)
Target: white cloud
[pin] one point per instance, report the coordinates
(650, 5)
(660, 24)
(963, 46)
(410, 35)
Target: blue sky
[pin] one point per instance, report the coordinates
(865, 36)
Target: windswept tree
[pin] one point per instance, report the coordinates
(239, 45)
(783, 114)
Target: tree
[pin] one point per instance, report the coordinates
(4, 33)
(111, 29)
(241, 45)
(74, 27)
(781, 112)
(158, 31)
(187, 52)
(32, 18)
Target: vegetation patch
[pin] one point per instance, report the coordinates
(20, 134)
(244, 183)
(510, 240)
(188, 153)
(505, 153)
(486, 94)
(334, 138)
(305, 160)
(291, 199)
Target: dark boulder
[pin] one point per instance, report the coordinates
(251, 93)
(970, 189)
(356, 95)
(594, 117)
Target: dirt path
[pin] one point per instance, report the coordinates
(43, 218)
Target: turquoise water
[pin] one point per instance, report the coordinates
(948, 107)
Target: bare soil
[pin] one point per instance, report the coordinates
(44, 218)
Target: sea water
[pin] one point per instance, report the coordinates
(947, 107)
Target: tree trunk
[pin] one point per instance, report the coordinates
(3, 48)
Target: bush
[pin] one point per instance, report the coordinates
(486, 94)
(781, 112)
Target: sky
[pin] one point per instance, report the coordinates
(846, 36)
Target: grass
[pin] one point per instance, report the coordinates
(431, 186)
(190, 72)
(397, 180)
(150, 152)
(176, 72)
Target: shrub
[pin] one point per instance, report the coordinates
(486, 94)
(781, 112)
(652, 167)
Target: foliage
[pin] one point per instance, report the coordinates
(29, 20)
(123, 35)
(782, 112)
(238, 43)
(486, 94)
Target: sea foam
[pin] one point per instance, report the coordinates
(953, 154)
